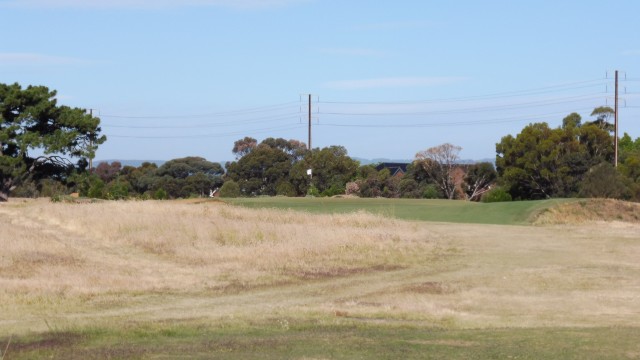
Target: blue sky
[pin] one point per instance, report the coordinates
(172, 78)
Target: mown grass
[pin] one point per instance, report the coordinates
(505, 213)
(337, 340)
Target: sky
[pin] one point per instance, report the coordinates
(176, 78)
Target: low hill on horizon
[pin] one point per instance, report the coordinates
(134, 163)
(362, 161)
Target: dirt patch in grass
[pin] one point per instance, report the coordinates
(590, 210)
(53, 340)
(325, 273)
(429, 287)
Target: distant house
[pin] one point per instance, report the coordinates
(396, 169)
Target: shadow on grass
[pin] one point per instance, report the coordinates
(335, 339)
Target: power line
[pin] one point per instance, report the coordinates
(213, 114)
(536, 91)
(278, 117)
(282, 113)
(211, 135)
(454, 123)
(560, 101)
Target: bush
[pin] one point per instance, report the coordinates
(117, 190)
(230, 189)
(431, 191)
(409, 189)
(496, 194)
(352, 188)
(160, 194)
(26, 190)
(313, 191)
(96, 188)
(50, 187)
(604, 181)
(333, 190)
(285, 189)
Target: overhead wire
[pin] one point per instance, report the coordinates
(213, 114)
(476, 109)
(211, 135)
(453, 123)
(247, 117)
(278, 117)
(506, 94)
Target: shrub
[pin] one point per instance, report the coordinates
(333, 190)
(497, 194)
(431, 191)
(160, 194)
(604, 181)
(50, 187)
(26, 190)
(409, 188)
(117, 190)
(352, 188)
(230, 189)
(313, 191)
(96, 188)
(285, 188)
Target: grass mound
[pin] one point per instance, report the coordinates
(590, 210)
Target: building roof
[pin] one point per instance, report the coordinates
(394, 168)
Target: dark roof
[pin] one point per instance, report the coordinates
(394, 168)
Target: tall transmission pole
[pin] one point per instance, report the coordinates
(90, 145)
(309, 121)
(615, 120)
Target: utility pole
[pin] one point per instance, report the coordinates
(309, 121)
(615, 117)
(90, 145)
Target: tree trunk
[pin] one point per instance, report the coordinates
(4, 195)
(5, 189)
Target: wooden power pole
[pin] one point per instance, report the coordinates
(90, 145)
(615, 120)
(309, 121)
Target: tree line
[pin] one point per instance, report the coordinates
(572, 160)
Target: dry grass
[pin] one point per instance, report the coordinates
(145, 246)
(58, 256)
(591, 210)
(121, 262)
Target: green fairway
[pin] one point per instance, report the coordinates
(504, 213)
(335, 339)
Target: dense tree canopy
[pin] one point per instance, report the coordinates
(332, 169)
(188, 176)
(280, 167)
(266, 167)
(31, 121)
(541, 162)
(244, 146)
